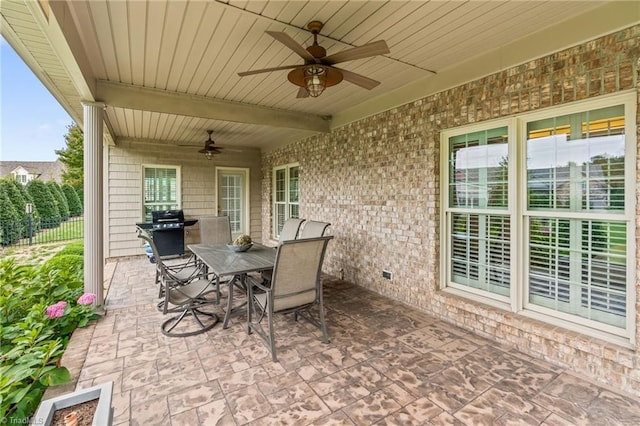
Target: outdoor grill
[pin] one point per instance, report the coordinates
(168, 231)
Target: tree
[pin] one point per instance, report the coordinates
(35, 216)
(18, 202)
(75, 205)
(10, 226)
(73, 159)
(60, 199)
(45, 203)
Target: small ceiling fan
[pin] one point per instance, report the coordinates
(209, 148)
(318, 71)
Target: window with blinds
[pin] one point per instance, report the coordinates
(479, 219)
(161, 189)
(285, 195)
(575, 166)
(543, 220)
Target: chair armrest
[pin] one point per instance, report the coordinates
(252, 282)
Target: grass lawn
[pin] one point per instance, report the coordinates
(72, 229)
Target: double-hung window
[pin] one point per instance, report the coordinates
(539, 214)
(285, 195)
(161, 186)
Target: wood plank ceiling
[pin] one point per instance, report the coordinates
(197, 48)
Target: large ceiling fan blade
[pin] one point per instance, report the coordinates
(302, 93)
(285, 67)
(358, 79)
(371, 49)
(286, 39)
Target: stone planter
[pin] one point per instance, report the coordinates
(103, 415)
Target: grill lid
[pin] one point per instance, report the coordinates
(163, 216)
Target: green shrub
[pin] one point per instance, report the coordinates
(45, 203)
(40, 307)
(35, 216)
(71, 264)
(76, 247)
(16, 198)
(10, 224)
(75, 205)
(60, 199)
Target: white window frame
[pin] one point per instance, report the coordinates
(287, 203)
(517, 301)
(178, 170)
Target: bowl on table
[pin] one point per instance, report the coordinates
(241, 248)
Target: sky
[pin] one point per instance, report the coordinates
(32, 122)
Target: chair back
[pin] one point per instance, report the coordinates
(290, 229)
(215, 229)
(146, 237)
(163, 272)
(296, 273)
(313, 229)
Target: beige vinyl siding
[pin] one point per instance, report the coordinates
(198, 192)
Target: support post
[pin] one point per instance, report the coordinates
(29, 210)
(93, 201)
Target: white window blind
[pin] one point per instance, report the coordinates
(575, 166)
(161, 189)
(480, 253)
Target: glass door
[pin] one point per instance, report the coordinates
(233, 198)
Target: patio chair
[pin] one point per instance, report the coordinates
(295, 287)
(187, 300)
(290, 229)
(215, 229)
(182, 272)
(313, 229)
(289, 232)
(185, 289)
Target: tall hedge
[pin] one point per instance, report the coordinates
(45, 203)
(75, 205)
(10, 226)
(18, 202)
(35, 216)
(61, 200)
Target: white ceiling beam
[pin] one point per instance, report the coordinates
(156, 100)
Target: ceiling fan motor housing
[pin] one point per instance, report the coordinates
(317, 51)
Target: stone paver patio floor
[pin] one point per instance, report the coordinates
(386, 365)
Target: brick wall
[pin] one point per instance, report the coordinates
(377, 181)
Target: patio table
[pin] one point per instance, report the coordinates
(224, 262)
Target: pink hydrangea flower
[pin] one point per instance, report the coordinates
(56, 310)
(86, 299)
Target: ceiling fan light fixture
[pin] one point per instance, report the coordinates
(315, 80)
(209, 155)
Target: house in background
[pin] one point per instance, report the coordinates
(395, 169)
(25, 171)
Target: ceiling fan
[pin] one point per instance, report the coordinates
(318, 71)
(209, 147)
